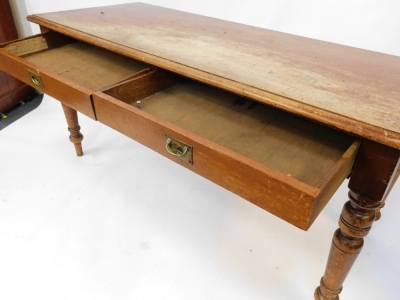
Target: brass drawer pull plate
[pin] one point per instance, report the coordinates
(178, 149)
(36, 79)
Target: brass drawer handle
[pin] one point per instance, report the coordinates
(175, 149)
(178, 149)
(36, 79)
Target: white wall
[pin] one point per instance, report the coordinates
(19, 11)
(368, 24)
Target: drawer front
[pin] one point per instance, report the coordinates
(287, 165)
(66, 69)
(283, 196)
(73, 71)
(72, 95)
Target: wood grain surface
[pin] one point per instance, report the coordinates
(291, 145)
(86, 65)
(348, 88)
(70, 70)
(12, 90)
(8, 30)
(244, 150)
(374, 170)
(249, 179)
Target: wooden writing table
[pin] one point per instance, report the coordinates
(278, 119)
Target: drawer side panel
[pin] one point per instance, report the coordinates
(335, 178)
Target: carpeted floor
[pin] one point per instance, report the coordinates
(18, 111)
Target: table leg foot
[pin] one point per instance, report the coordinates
(73, 127)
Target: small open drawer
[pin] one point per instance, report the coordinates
(66, 69)
(287, 165)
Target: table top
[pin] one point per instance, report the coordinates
(351, 89)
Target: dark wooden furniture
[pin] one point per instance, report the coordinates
(12, 90)
(278, 119)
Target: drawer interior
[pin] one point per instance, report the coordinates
(294, 146)
(284, 164)
(83, 64)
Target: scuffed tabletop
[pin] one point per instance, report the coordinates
(355, 90)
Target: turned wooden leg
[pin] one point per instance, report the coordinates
(73, 126)
(372, 175)
(355, 222)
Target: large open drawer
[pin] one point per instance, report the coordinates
(64, 68)
(285, 164)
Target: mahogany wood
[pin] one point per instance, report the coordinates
(36, 43)
(150, 82)
(232, 121)
(16, 94)
(67, 92)
(86, 65)
(12, 90)
(373, 172)
(322, 81)
(8, 31)
(70, 71)
(101, 61)
(378, 214)
(188, 111)
(73, 127)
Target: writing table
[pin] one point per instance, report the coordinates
(278, 119)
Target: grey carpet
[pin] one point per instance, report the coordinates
(18, 111)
